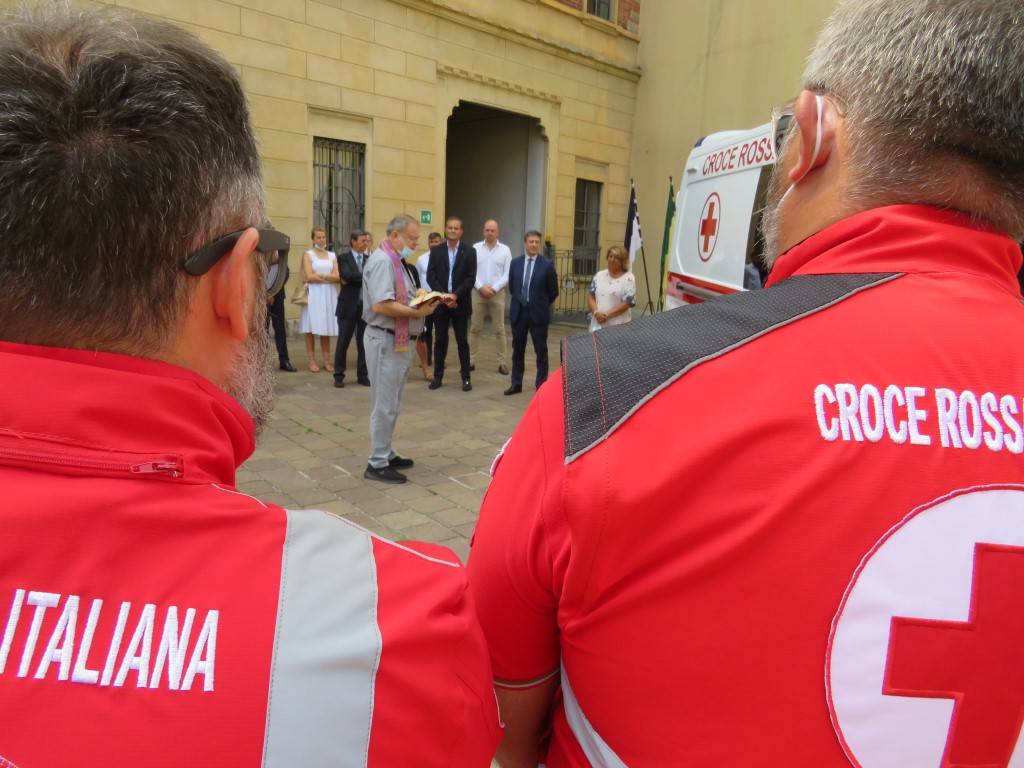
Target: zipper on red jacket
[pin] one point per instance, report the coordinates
(163, 465)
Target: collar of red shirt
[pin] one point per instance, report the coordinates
(66, 398)
(905, 239)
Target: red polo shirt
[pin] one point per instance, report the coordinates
(784, 527)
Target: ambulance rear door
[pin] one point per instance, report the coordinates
(719, 205)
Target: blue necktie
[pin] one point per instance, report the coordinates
(526, 280)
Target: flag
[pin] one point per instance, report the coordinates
(634, 240)
(670, 213)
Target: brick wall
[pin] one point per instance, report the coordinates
(628, 12)
(629, 15)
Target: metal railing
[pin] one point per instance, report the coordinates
(575, 269)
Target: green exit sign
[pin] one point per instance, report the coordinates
(426, 217)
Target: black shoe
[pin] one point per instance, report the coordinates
(503, 370)
(287, 366)
(384, 475)
(435, 384)
(472, 367)
(400, 462)
(466, 386)
(515, 389)
(365, 382)
(339, 383)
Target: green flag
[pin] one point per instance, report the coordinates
(670, 213)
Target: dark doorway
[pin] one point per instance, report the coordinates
(496, 169)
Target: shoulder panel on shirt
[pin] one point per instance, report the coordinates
(610, 374)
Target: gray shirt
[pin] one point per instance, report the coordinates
(379, 285)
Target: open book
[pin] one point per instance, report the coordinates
(425, 297)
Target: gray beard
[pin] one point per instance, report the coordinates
(251, 380)
(770, 218)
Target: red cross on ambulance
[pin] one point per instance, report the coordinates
(707, 236)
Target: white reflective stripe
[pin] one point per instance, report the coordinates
(327, 646)
(594, 747)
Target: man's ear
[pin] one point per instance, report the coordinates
(231, 286)
(817, 134)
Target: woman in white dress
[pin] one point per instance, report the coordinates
(612, 291)
(320, 273)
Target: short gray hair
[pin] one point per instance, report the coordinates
(125, 144)
(933, 96)
(400, 223)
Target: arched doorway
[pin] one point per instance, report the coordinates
(496, 167)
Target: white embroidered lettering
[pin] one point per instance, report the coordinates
(115, 643)
(41, 601)
(204, 655)
(916, 415)
(849, 423)
(897, 430)
(172, 648)
(970, 419)
(12, 625)
(1008, 409)
(81, 673)
(994, 434)
(946, 404)
(62, 642)
(830, 429)
(139, 648)
(871, 413)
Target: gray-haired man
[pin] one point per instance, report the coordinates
(837, 573)
(389, 284)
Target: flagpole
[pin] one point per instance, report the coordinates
(635, 209)
(670, 211)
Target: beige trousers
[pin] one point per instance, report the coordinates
(495, 306)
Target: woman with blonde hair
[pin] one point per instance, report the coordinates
(320, 273)
(612, 291)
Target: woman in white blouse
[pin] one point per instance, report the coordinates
(612, 291)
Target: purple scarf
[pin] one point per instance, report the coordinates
(401, 296)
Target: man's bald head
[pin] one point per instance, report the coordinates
(491, 231)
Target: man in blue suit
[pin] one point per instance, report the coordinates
(533, 287)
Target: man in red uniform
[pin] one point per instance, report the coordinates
(786, 528)
(150, 614)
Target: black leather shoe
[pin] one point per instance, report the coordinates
(384, 475)
(435, 384)
(400, 462)
(339, 383)
(365, 382)
(287, 366)
(466, 386)
(513, 390)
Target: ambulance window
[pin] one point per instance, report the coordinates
(600, 8)
(755, 239)
(586, 236)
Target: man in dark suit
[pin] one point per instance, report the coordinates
(533, 287)
(275, 316)
(452, 269)
(350, 308)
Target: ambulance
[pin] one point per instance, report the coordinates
(718, 215)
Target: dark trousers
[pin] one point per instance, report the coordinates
(428, 336)
(539, 333)
(459, 324)
(347, 326)
(275, 317)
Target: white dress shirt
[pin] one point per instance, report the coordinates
(421, 267)
(492, 265)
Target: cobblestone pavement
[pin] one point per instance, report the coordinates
(313, 451)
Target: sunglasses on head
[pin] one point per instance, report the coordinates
(272, 247)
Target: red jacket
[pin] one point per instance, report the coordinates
(783, 528)
(151, 614)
